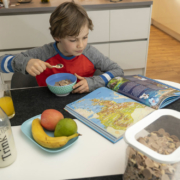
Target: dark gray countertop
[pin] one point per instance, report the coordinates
(30, 102)
(36, 7)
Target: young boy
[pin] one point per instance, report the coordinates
(69, 26)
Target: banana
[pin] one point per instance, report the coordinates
(44, 140)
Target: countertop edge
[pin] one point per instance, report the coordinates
(41, 10)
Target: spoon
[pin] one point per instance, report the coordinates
(58, 66)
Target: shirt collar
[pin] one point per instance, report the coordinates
(65, 57)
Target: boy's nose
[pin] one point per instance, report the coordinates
(80, 44)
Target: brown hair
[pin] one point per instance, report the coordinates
(68, 19)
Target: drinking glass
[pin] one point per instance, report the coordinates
(6, 102)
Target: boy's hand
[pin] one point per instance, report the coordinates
(81, 86)
(36, 66)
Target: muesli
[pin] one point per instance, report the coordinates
(63, 82)
(140, 167)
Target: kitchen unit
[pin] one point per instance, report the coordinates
(121, 30)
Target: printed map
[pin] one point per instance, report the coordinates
(110, 110)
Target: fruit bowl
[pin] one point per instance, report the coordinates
(26, 129)
(61, 90)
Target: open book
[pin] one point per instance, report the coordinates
(110, 111)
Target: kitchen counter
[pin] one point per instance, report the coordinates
(92, 157)
(36, 7)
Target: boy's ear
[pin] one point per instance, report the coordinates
(57, 39)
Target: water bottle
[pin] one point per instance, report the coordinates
(8, 151)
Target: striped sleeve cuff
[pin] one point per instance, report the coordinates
(107, 77)
(6, 64)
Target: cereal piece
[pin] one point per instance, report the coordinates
(175, 138)
(142, 141)
(155, 146)
(170, 151)
(161, 131)
(162, 172)
(170, 169)
(139, 160)
(165, 177)
(157, 172)
(166, 134)
(56, 84)
(171, 146)
(149, 162)
(177, 144)
(147, 173)
(170, 139)
(161, 151)
(156, 165)
(132, 152)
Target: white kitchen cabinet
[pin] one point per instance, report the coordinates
(134, 71)
(24, 31)
(129, 24)
(122, 34)
(129, 55)
(103, 48)
(100, 21)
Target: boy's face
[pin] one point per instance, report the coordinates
(74, 46)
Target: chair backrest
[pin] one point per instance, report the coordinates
(20, 80)
(98, 72)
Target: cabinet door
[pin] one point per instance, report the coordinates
(103, 48)
(140, 71)
(128, 24)
(129, 55)
(100, 20)
(22, 31)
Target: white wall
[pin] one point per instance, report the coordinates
(166, 16)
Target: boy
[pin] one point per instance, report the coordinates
(69, 26)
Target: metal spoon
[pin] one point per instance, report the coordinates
(58, 66)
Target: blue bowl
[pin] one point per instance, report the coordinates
(61, 90)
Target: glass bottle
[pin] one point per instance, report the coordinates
(8, 151)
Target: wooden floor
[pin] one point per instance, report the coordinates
(163, 60)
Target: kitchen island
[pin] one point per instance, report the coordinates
(92, 157)
(121, 30)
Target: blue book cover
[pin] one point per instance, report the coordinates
(107, 112)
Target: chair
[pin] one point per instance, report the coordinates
(20, 80)
(98, 72)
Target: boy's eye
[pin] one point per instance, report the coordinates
(72, 40)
